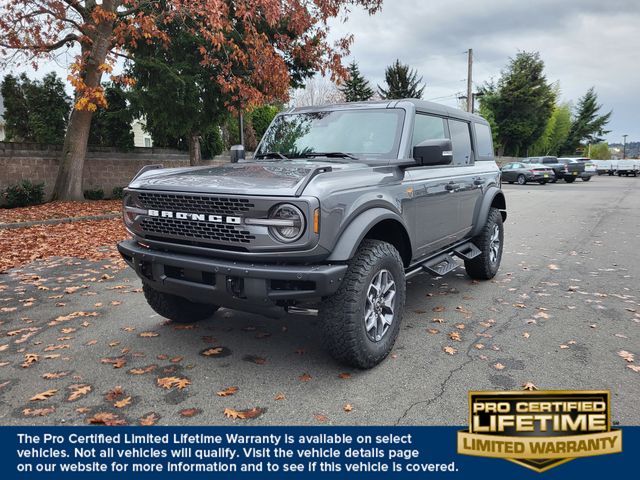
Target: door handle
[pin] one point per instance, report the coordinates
(478, 181)
(451, 186)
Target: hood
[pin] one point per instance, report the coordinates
(280, 178)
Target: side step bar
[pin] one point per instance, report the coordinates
(467, 251)
(444, 263)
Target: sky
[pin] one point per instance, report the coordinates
(583, 43)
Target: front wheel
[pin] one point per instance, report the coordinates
(586, 179)
(489, 241)
(361, 321)
(177, 309)
(569, 179)
(542, 182)
(521, 180)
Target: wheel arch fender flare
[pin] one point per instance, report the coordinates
(353, 234)
(493, 197)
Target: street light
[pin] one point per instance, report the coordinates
(624, 146)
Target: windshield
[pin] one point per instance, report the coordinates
(370, 133)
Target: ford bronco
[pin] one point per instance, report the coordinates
(339, 206)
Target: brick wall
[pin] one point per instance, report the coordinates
(104, 168)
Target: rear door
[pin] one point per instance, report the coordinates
(467, 180)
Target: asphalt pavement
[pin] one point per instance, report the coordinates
(564, 305)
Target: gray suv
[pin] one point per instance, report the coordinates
(340, 205)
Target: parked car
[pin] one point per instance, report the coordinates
(563, 169)
(589, 166)
(340, 205)
(530, 172)
(628, 167)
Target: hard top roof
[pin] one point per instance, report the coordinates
(420, 105)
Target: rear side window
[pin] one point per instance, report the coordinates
(427, 128)
(461, 141)
(484, 142)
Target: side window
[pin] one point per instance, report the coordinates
(484, 142)
(461, 141)
(427, 128)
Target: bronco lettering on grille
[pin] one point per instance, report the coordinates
(197, 217)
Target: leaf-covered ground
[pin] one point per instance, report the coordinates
(59, 209)
(88, 239)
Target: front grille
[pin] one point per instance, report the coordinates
(187, 229)
(195, 203)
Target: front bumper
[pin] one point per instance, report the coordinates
(239, 285)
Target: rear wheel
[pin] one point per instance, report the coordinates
(489, 241)
(361, 321)
(586, 179)
(542, 182)
(521, 180)
(569, 179)
(177, 309)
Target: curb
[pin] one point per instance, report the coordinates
(56, 221)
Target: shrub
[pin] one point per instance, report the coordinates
(97, 194)
(117, 193)
(23, 194)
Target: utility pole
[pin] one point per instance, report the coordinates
(470, 81)
(241, 124)
(624, 146)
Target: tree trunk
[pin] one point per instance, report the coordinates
(195, 152)
(69, 179)
(70, 172)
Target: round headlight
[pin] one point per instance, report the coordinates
(291, 223)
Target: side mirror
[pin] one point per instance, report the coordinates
(433, 152)
(237, 153)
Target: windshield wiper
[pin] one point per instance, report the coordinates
(329, 155)
(271, 155)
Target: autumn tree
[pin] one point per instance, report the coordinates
(254, 69)
(356, 88)
(401, 82)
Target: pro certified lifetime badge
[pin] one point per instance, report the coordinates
(539, 429)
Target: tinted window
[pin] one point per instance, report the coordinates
(461, 140)
(484, 143)
(427, 128)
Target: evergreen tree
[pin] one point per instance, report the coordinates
(16, 114)
(35, 111)
(587, 126)
(521, 103)
(402, 82)
(356, 88)
(111, 127)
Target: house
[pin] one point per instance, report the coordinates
(1, 119)
(141, 138)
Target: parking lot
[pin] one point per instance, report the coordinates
(563, 313)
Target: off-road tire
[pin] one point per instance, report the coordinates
(342, 314)
(177, 309)
(522, 180)
(569, 179)
(482, 267)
